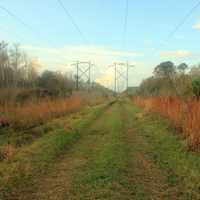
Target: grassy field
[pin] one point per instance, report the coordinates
(184, 114)
(18, 171)
(113, 151)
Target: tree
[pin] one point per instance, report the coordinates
(182, 67)
(150, 86)
(55, 83)
(4, 60)
(165, 69)
(196, 88)
(183, 83)
(15, 58)
(195, 71)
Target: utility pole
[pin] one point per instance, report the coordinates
(120, 74)
(83, 71)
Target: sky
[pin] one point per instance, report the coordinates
(102, 34)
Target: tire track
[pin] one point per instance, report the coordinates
(56, 182)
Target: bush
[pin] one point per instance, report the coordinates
(184, 114)
(196, 88)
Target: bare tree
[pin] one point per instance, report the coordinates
(4, 59)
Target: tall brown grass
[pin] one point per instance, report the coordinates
(33, 114)
(184, 114)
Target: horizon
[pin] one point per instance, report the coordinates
(103, 33)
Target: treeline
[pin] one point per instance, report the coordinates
(16, 68)
(171, 80)
(21, 82)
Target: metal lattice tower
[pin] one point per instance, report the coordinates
(121, 74)
(83, 72)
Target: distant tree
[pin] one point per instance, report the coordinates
(195, 71)
(31, 73)
(4, 60)
(55, 83)
(19, 78)
(182, 67)
(15, 62)
(150, 86)
(196, 87)
(165, 69)
(183, 84)
(48, 81)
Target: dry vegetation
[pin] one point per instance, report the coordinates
(184, 114)
(33, 114)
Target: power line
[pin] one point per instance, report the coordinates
(125, 24)
(72, 20)
(182, 22)
(22, 22)
(171, 34)
(15, 17)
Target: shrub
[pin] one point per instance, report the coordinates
(184, 114)
(33, 114)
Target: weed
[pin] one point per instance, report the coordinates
(184, 114)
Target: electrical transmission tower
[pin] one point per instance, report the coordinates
(121, 73)
(83, 72)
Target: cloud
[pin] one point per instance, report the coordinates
(176, 54)
(84, 53)
(36, 62)
(82, 50)
(196, 26)
(60, 59)
(106, 80)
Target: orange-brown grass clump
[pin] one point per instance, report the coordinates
(7, 152)
(184, 114)
(32, 114)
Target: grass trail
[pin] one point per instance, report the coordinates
(123, 154)
(34, 160)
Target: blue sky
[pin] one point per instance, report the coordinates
(52, 38)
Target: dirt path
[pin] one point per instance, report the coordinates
(113, 160)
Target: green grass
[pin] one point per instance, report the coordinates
(103, 175)
(169, 152)
(122, 163)
(109, 172)
(19, 138)
(114, 154)
(36, 157)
